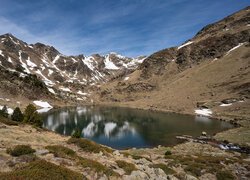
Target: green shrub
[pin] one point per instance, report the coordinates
(222, 175)
(4, 111)
(164, 167)
(98, 167)
(61, 151)
(64, 152)
(127, 167)
(20, 150)
(7, 121)
(89, 146)
(17, 115)
(28, 112)
(168, 152)
(76, 134)
(41, 169)
(31, 116)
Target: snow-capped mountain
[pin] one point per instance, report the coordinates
(60, 72)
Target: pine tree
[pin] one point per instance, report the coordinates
(28, 113)
(4, 111)
(31, 116)
(17, 115)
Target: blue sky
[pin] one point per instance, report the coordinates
(129, 27)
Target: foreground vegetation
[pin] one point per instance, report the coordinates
(29, 116)
(41, 169)
(31, 153)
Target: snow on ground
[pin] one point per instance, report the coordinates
(17, 43)
(234, 48)
(82, 93)
(45, 80)
(109, 64)
(9, 60)
(118, 55)
(65, 89)
(5, 99)
(74, 60)
(1, 53)
(126, 78)
(23, 64)
(88, 61)
(43, 110)
(56, 58)
(30, 63)
(10, 110)
(51, 90)
(204, 112)
(43, 104)
(50, 72)
(186, 44)
(80, 99)
(223, 105)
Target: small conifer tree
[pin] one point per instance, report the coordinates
(31, 116)
(29, 112)
(17, 115)
(4, 111)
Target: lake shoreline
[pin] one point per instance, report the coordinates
(145, 161)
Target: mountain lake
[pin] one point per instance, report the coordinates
(123, 128)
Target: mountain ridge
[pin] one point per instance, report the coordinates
(60, 72)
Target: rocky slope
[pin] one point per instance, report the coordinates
(190, 160)
(66, 77)
(205, 71)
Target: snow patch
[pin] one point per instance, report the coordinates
(186, 44)
(65, 89)
(204, 112)
(44, 110)
(5, 99)
(82, 93)
(126, 78)
(9, 110)
(234, 48)
(9, 60)
(51, 90)
(43, 104)
(56, 58)
(224, 105)
(88, 61)
(30, 63)
(1, 53)
(50, 72)
(45, 80)
(23, 64)
(80, 99)
(109, 64)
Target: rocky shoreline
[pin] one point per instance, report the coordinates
(176, 162)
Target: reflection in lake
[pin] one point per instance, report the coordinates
(125, 128)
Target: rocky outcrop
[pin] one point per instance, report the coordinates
(213, 41)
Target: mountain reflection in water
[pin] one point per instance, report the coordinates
(125, 128)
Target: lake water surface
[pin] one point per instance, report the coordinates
(123, 128)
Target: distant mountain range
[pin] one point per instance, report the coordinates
(60, 72)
